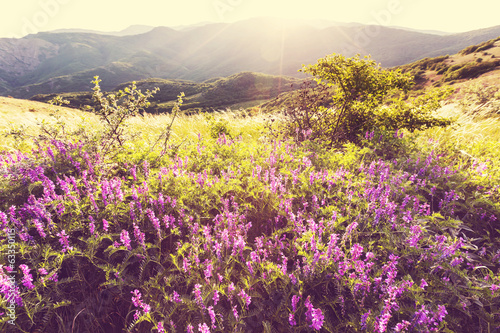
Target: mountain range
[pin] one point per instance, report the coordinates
(58, 62)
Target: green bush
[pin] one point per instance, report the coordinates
(349, 101)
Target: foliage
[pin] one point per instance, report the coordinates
(480, 47)
(398, 233)
(469, 70)
(349, 101)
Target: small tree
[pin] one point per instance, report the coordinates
(354, 90)
(114, 109)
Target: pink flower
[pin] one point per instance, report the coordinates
(216, 297)
(197, 295)
(125, 239)
(317, 319)
(291, 320)
(203, 328)
(27, 279)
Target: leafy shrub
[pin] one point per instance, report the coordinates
(348, 102)
(218, 127)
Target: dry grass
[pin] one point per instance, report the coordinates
(473, 136)
(189, 127)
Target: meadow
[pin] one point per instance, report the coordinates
(211, 224)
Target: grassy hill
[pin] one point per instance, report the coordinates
(243, 89)
(471, 62)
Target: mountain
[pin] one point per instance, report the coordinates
(66, 62)
(245, 89)
(132, 30)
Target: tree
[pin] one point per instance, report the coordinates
(355, 89)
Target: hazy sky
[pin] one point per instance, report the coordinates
(18, 18)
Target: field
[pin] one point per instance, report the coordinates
(214, 225)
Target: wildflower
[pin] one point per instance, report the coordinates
(245, 298)
(125, 239)
(190, 328)
(197, 295)
(356, 251)
(291, 319)
(235, 313)
(27, 279)
(160, 327)
(203, 328)
(216, 297)
(295, 300)
(317, 319)
(208, 271)
(494, 288)
(441, 312)
(105, 225)
(176, 297)
(423, 284)
(39, 227)
(136, 300)
(364, 318)
(211, 312)
(456, 261)
(402, 326)
(9, 290)
(63, 240)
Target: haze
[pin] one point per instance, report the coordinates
(19, 18)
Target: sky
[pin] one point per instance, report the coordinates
(19, 18)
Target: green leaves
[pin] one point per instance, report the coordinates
(349, 99)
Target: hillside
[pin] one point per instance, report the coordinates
(470, 63)
(65, 62)
(478, 64)
(242, 89)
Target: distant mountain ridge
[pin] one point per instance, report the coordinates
(66, 62)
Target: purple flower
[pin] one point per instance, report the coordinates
(197, 295)
(402, 326)
(494, 288)
(8, 288)
(39, 226)
(176, 297)
(105, 225)
(364, 318)
(317, 319)
(245, 298)
(63, 239)
(211, 312)
(216, 297)
(160, 327)
(235, 313)
(203, 328)
(190, 328)
(295, 300)
(423, 284)
(125, 239)
(356, 251)
(136, 298)
(27, 279)
(140, 237)
(441, 313)
(291, 320)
